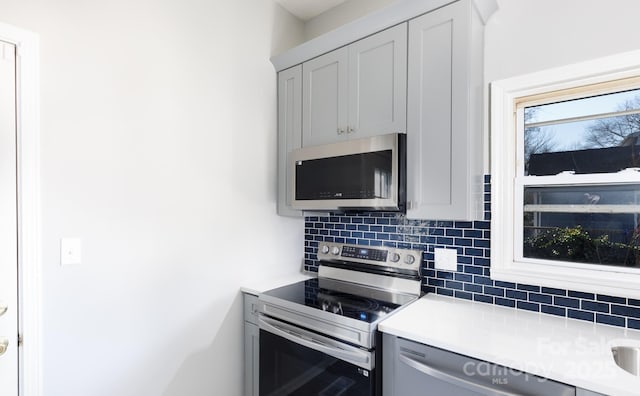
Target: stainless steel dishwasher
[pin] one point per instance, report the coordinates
(410, 368)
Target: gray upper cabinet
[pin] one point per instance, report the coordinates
(325, 98)
(378, 84)
(289, 132)
(422, 76)
(356, 91)
(444, 114)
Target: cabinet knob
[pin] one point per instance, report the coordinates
(350, 130)
(340, 131)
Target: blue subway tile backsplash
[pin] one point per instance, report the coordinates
(472, 280)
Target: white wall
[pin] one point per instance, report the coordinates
(344, 13)
(524, 36)
(528, 35)
(158, 151)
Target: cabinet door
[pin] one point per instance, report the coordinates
(444, 142)
(378, 84)
(324, 108)
(289, 133)
(250, 308)
(251, 358)
(251, 345)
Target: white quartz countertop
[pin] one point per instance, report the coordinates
(567, 350)
(257, 286)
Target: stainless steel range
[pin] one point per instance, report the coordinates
(319, 336)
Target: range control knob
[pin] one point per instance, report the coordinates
(335, 250)
(324, 249)
(395, 257)
(409, 259)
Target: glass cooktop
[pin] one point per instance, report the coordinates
(342, 299)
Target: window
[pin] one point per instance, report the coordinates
(566, 177)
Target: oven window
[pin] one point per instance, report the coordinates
(287, 368)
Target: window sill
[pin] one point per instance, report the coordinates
(622, 284)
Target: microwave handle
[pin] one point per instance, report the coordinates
(355, 356)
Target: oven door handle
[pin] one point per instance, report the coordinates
(318, 343)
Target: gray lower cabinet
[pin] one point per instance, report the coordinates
(410, 368)
(251, 345)
(584, 392)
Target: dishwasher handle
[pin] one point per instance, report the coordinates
(453, 379)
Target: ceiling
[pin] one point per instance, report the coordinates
(307, 9)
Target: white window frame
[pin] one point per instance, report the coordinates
(507, 263)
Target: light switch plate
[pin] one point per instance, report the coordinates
(70, 251)
(446, 259)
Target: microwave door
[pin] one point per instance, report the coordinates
(331, 177)
(359, 176)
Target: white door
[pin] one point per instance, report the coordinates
(8, 224)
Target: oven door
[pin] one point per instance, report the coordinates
(294, 361)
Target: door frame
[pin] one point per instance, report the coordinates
(28, 167)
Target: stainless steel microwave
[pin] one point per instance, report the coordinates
(361, 174)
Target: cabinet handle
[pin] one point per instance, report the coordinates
(340, 131)
(3, 309)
